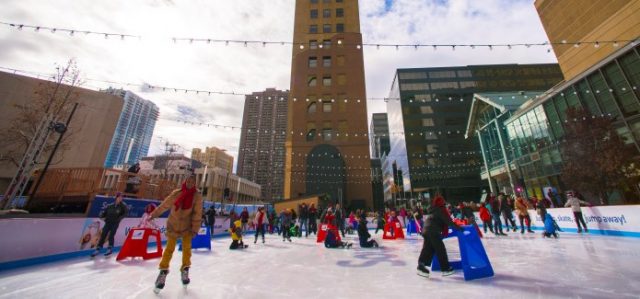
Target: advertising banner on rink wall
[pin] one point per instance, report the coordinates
(605, 220)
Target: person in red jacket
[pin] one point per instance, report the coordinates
(485, 216)
(260, 221)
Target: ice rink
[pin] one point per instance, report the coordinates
(526, 266)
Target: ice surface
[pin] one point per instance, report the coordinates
(526, 266)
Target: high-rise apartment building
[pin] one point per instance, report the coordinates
(607, 22)
(213, 157)
(379, 135)
(327, 148)
(428, 111)
(261, 156)
(133, 134)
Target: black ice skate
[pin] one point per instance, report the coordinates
(184, 274)
(448, 272)
(423, 271)
(109, 252)
(160, 281)
(95, 252)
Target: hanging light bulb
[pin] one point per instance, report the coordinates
(596, 45)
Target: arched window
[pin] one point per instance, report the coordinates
(312, 108)
(311, 135)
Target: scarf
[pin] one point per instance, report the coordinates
(185, 199)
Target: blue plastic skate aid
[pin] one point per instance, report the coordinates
(201, 240)
(474, 261)
(411, 227)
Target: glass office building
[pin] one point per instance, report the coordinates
(428, 110)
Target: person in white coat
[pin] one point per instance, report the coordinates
(574, 202)
(260, 221)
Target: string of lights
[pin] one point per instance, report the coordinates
(263, 43)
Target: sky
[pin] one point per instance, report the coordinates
(155, 59)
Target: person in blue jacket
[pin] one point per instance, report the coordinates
(331, 241)
(363, 234)
(550, 227)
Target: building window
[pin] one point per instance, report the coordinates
(311, 108)
(338, 1)
(326, 106)
(428, 122)
(414, 75)
(339, 12)
(326, 13)
(312, 81)
(426, 110)
(314, 13)
(326, 43)
(326, 134)
(326, 28)
(442, 74)
(313, 62)
(311, 135)
(326, 61)
(313, 44)
(342, 79)
(313, 28)
(314, 1)
(326, 81)
(339, 27)
(326, 1)
(464, 74)
(444, 85)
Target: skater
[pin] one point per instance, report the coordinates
(185, 205)
(363, 234)
(485, 216)
(260, 221)
(339, 213)
(495, 214)
(523, 214)
(436, 227)
(211, 218)
(331, 241)
(379, 222)
(393, 219)
(236, 236)
(244, 216)
(506, 208)
(313, 218)
(403, 216)
(304, 219)
(542, 210)
(574, 202)
(111, 215)
(550, 227)
(285, 224)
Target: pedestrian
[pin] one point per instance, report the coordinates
(485, 216)
(523, 214)
(506, 208)
(379, 222)
(111, 215)
(260, 221)
(244, 217)
(495, 214)
(339, 213)
(574, 202)
(363, 234)
(185, 205)
(211, 218)
(313, 218)
(285, 224)
(304, 219)
(436, 227)
(403, 216)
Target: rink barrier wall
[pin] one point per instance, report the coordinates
(74, 237)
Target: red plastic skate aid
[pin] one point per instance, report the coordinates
(397, 229)
(137, 242)
(322, 234)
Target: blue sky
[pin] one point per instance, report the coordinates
(254, 68)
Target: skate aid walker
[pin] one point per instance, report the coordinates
(137, 243)
(474, 261)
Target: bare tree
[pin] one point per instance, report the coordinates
(55, 98)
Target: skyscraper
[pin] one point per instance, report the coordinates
(327, 147)
(379, 135)
(428, 114)
(133, 134)
(261, 156)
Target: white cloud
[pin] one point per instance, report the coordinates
(155, 61)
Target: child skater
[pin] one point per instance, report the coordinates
(147, 221)
(550, 227)
(331, 241)
(236, 236)
(363, 234)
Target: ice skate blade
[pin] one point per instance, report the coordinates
(156, 290)
(422, 274)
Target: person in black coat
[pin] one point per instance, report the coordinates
(436, 223)
(112, 215)
(363, 234)
(211, 218)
